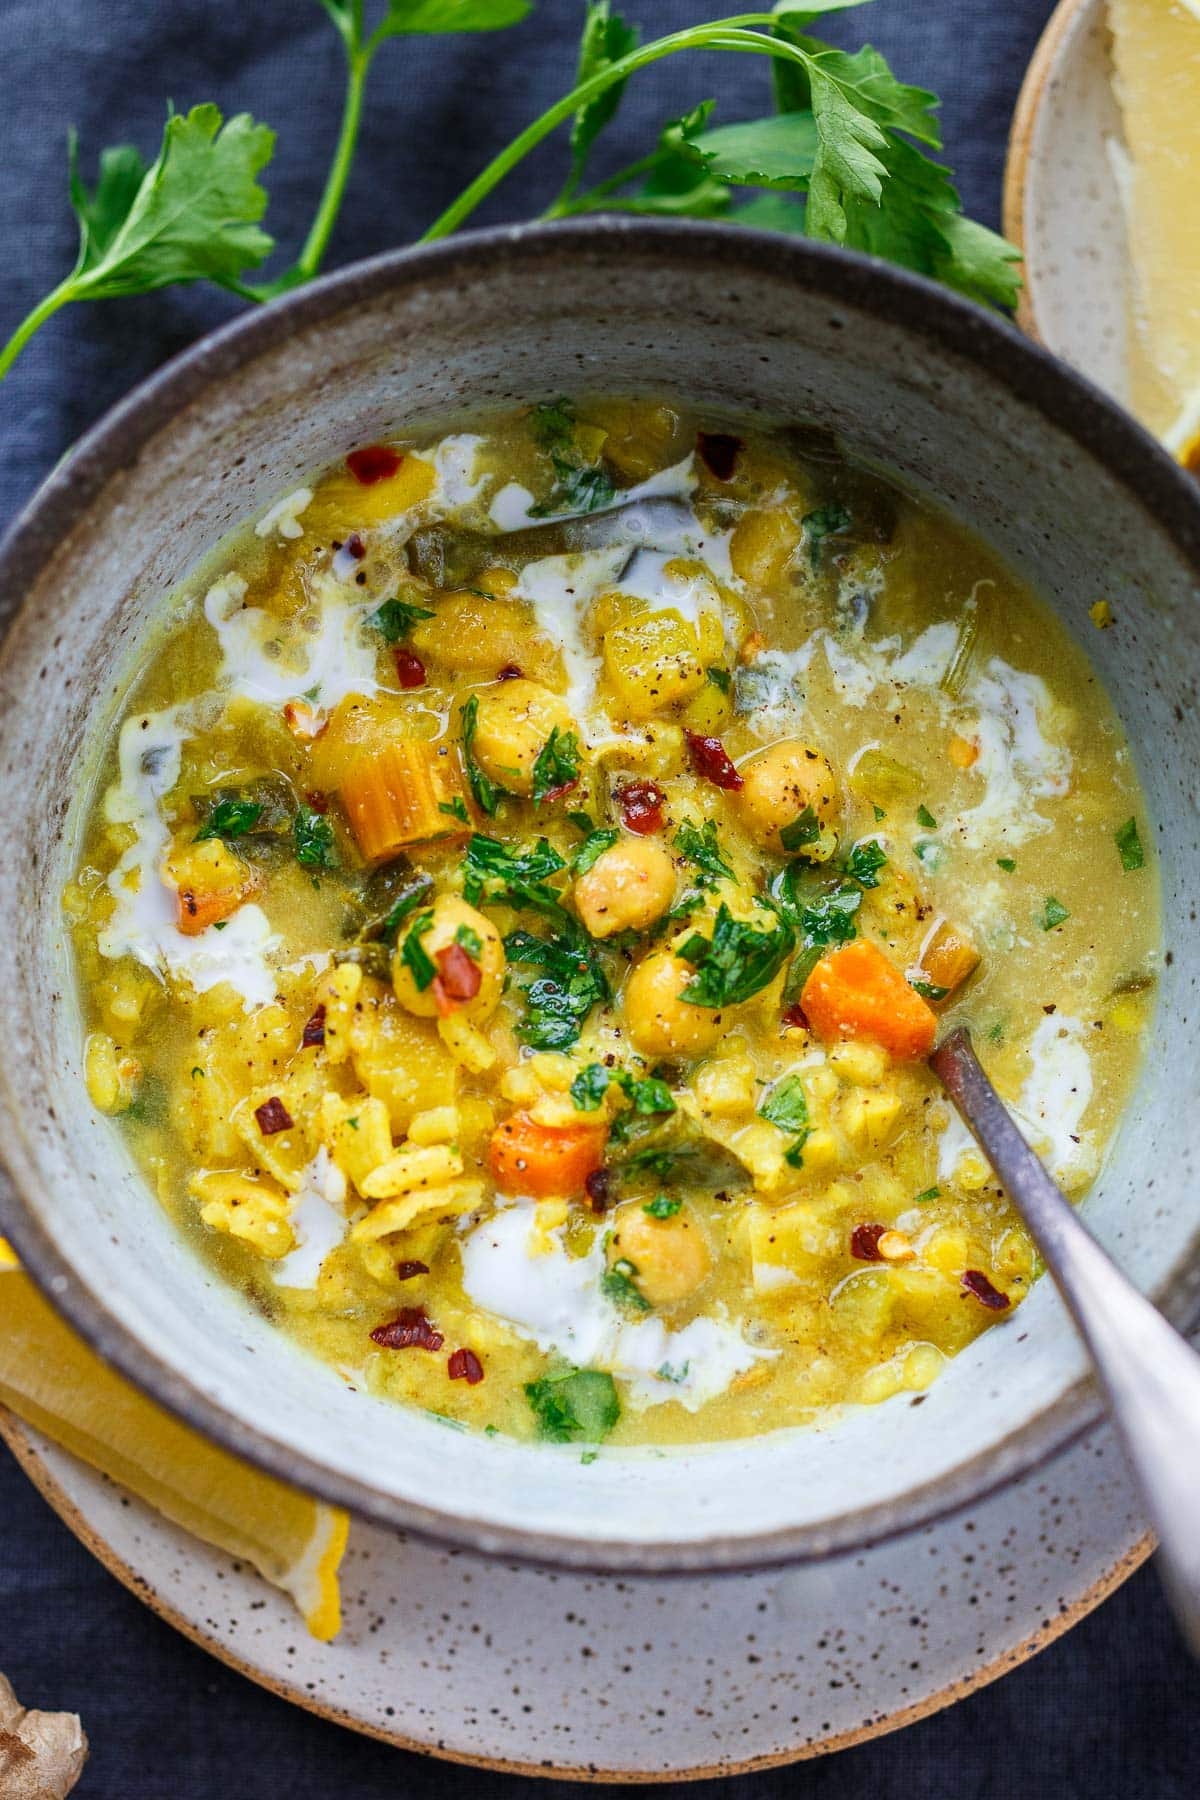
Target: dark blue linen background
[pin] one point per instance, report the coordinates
(1102, 1713)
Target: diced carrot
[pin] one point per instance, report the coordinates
(542, 1161)
(405, 792)
(198, 908)
(964, 752)
(856, 992)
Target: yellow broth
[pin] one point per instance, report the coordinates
(405, 1050)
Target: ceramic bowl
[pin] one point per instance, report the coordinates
(961, 409)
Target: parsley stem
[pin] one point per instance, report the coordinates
(596, 198)
(720, 34)
(45, 309)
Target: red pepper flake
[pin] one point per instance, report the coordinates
(376, 463)
(273, 1116)
(464, 1365)
(598, 1187)
(864, 1242)
(977, 1283)
(410, 1330)
(410, 670)
(408, 1271)
(795, 1015)
(316, 801)
(556, 793)
(314, 1031)
(355, 547)
(461, 976)
(710, 759)
(510, 672)
(641, 804)
(719, 451)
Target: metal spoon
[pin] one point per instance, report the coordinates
(1150, 1376)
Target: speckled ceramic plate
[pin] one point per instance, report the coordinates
(552, 1673)
(1061, 204)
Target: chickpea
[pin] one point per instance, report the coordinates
(627, 888)
(514, 721)
(450, 914)
(658, 1021)
(777, 786)
(671, 1257)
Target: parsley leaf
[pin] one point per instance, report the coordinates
(1129, 845)
(865, 861)
(396, 618)
(553, 425)
(1053, 913)
(414, 955)
(581, 1404)
(786, 1105)
(520, 877)
(736, 963)
(778, 152)
(411, 18)
(826, 522)
(722, 679)
(929, 990)
(606, 39)
(559, 1001)
(926, 818)
(927, 1194)
(487, 793)
(804, 829)
(557, 766)
(592, 848)
(663, 1206)
(589, 1087)
(313, 840)
(192, 215)
(703, 850)
(1006, 863)
(619, 1282)
(229, 819)
(577, 490)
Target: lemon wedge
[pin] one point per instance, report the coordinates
(1156, 57)
(52, 1381)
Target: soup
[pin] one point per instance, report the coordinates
(531, 873)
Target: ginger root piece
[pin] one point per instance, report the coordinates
(41, 1753)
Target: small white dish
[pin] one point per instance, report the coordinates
(1062, 205)
(547, 1672)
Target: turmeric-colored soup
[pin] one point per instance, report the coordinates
(533, 870)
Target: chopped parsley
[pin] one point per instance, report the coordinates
(471, 942)
(804, 829)
(414, 955)
(663, 1206)
(864, 863)
(1053, 913)
(787, 1107)
(589, 1087)
(931, 856)
(1129, 845)
(645, 1093)
(230, 819)
(720, 678)
(396, 618)
(619, 1282)
(593, 846)
(702, 849)
(927, 1194)
(929, 990)
(578, 1406)
(557, 766)
(1006, 863)
(576, 490)
(456, 808)
(559, 1001)
(313, 841)
(488, 793)
(736, 963)
(406, 903)
(880, 815)
(553, 425)
(826, 522)
(493, 871)
(926, 818)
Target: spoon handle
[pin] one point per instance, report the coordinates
(1151, 1377)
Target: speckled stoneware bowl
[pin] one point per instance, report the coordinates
(964, 410)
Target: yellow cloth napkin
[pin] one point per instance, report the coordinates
(55, 1383)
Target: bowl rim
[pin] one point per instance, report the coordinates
(1066, 400)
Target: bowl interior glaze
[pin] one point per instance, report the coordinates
(1062, 484)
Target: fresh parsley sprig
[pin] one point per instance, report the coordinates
(842, 158)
